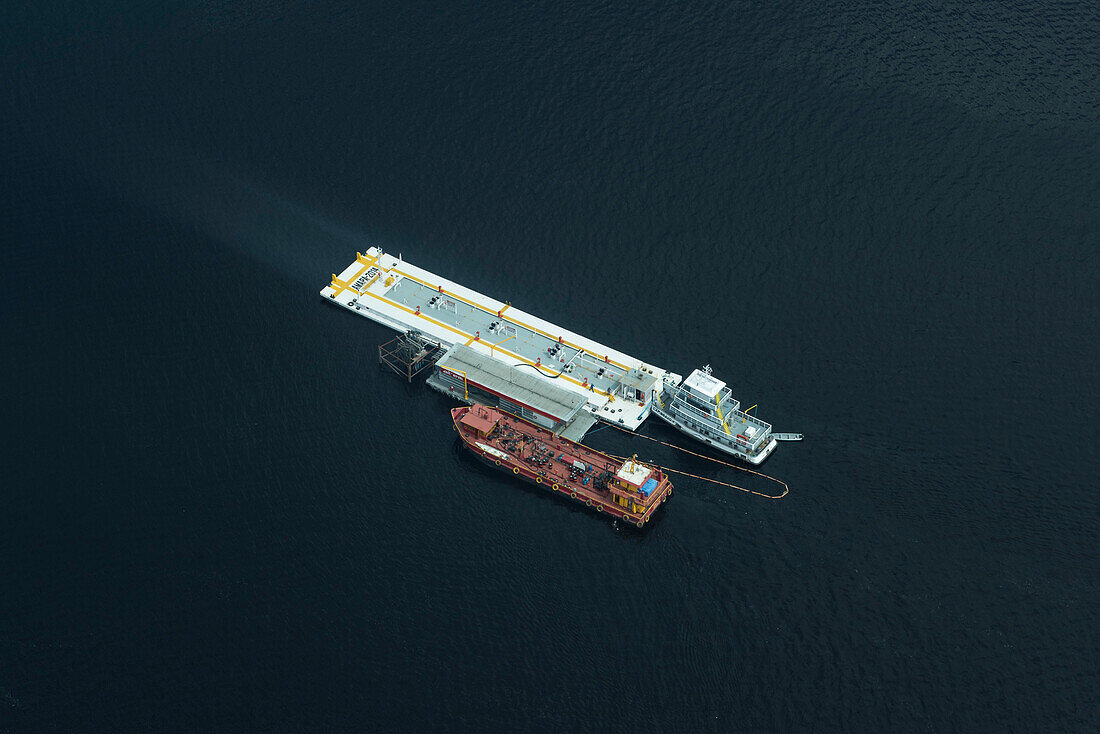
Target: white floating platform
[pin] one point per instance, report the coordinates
(618, 388)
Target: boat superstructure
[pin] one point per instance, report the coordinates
(704, 408)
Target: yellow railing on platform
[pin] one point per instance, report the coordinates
(718, 408)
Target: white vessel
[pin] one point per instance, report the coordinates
(704, 408)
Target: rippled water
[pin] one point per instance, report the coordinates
(878, 221)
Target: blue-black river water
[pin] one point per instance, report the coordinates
(878, 221)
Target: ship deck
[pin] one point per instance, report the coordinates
(402, 296)
(536, 454)
(708, 430)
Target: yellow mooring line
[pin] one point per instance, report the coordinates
(786, 489)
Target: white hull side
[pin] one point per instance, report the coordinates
(700, 436)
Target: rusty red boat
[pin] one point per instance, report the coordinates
(630, 489)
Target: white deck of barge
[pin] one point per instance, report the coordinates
(397, 294)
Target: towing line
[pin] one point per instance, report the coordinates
(786, 489)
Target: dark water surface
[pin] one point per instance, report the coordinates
(879, 221)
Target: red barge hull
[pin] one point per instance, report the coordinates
(630, 490)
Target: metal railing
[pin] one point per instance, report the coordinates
(738, 418)
(711, 428)
(734, 419)
(680, 403)
(725, 394)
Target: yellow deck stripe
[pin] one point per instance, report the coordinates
(344, 285)
(406, 309)
(494, 346)
(509, 319)
(470, 337)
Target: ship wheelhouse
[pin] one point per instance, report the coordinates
(635, 484)
(481, 420)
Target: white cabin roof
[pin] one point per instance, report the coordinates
(634, 472)
(704, 384)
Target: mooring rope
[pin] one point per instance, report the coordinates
(786, 489)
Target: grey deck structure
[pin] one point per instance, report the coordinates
(468, 375)
(510, 336)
